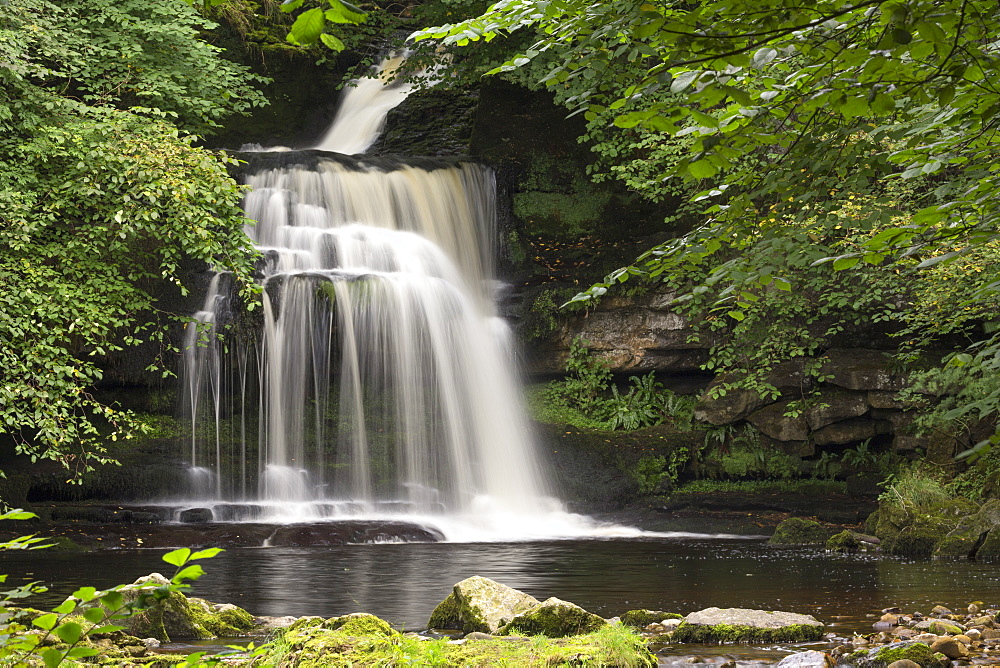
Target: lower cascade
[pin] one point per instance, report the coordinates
(377, 379)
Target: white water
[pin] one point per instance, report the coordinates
(379, 381)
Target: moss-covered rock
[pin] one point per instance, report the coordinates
(317, 646)
(480, 604)
(170, 615)
(554, 618)
(845, 541)
(642, 618)
(741, 625)
(967, 537)
(880, 657)
(800, 531)
(359, 624)
(916, 532)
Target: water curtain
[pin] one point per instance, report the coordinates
(378, 379)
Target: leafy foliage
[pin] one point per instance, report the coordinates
(860, 136)
(61, 636)
(101, 200)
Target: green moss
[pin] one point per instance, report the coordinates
(316, 647)
(554, 619)
(447, 614)
(943, 628)
(900, 651)
(359, 624)
(642, 618)
(845, 541)
(229, 622)
(736, 633)
(799, 531)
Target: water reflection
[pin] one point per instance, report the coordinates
(403, 582)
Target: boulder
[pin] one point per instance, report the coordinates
(734, 405)
(862, 369)
(196, 515)
(950, 647)
(642, 618)
(772, 421)
(834, 405)
(741, 625)
(554, 618)
(878, 657)
(810, 659)
(968, 536)
(170, 615)
(850, 431)
(845, 541)
(480, 604)
(799, 531)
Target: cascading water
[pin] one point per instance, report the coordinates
(378, 382)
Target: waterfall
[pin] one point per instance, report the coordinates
(378, 378)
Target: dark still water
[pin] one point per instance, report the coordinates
(403, 582)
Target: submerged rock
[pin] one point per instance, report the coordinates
(480, 604)
(742, 625)
(810, 659)
(554, 618)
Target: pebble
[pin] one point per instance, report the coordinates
(904, 663)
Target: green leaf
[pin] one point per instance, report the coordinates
(702, 169)
(683, 80)
(94, 615)
(342, 12)
(69, 632)
(764, 56)
(736, 315)
(332, 42)
(290, 6)
(47, 621)
(177, 557)
(307, 27)
(207, 553)
(52, 657)
(842, 263)
(85, 594)
(189, 573)
(66, 607)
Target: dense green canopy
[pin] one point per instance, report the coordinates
(857, 134)
(102, 196)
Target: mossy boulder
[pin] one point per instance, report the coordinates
(880, 657)
(554, 618)
(845, 541)
(800, 531)
(480, 604)
(642, 618)
(741, 625)
(170, 615)
(916, 532)
(969, 533)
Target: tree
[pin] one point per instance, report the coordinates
(102, 195)
(860, 134)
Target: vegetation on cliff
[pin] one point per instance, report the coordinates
(857, 137)
(103, 195)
